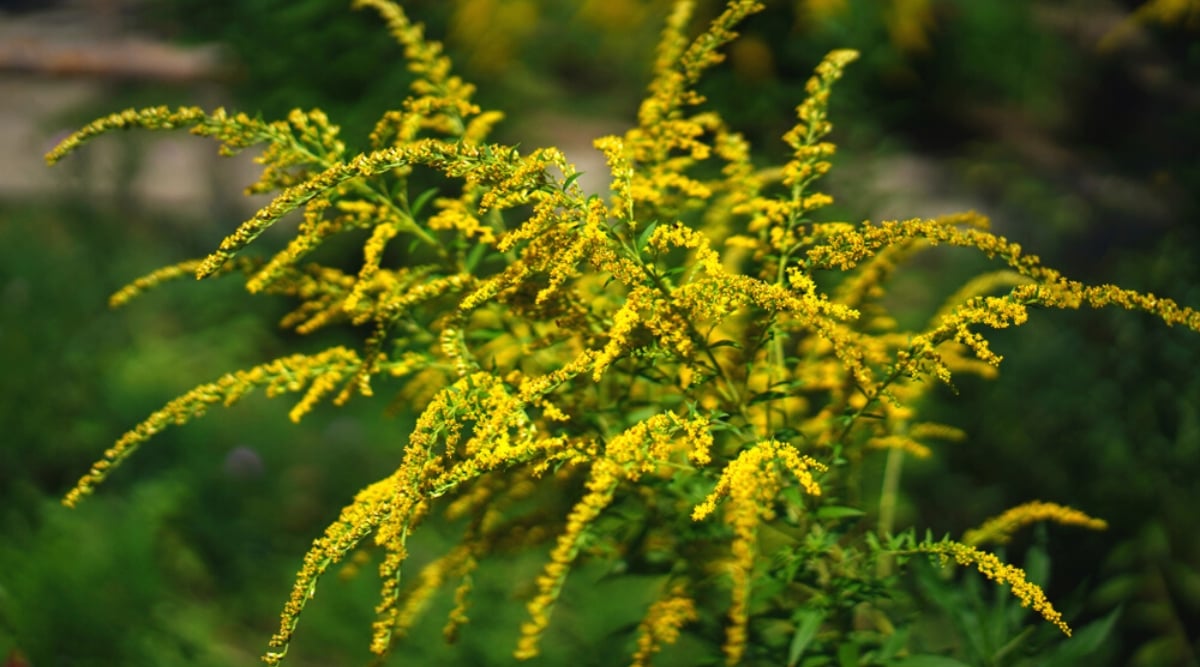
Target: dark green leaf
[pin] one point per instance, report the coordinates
(421, 200)
(895, 643)
(476, 255)
(847, 654)
(808, 621)
(766, 396)
(785, 434)
(1037, 566)
(929, 661)
(644, 237)
(675, 271)
(838, 512)
(1085, 641)
(570, 180)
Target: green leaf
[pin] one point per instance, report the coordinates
(807, 623)
(767, 396)
(644, 237)
(929, 661)
(476, 255)
(570, 180)
(895, 643)
(785, 434)
(838, 512)
(1037, 566)
(643, 413)
(1001, 654)
(421, 200)
(848, 655)
(725, 343)
(675, 271)
(873, 540)
(1084, 642)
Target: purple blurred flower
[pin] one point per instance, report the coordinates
(242, 462)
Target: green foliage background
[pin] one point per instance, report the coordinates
(183, 558)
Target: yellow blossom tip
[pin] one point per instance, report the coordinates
(1030, 594)
(999, 529)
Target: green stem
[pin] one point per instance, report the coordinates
(888, 495)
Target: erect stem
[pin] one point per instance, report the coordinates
(887, 503)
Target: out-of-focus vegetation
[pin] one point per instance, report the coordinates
(1075, 130)
(181, 570)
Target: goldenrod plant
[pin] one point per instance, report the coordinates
(696, 357)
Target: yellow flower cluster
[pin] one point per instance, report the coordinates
(644, 448)
(650, 162)
(995, 312)
(356, 522)
(662, 623)
(779, 222)
(454, 564)
(372, 258)
(752, 483)
(442, 101)
(547, 338)
(1063, 293)
(458, 613)
(999, 530)
(844, 247)
(290, 374)
(306, 140)
(500, 436)
(457, 214)
(647, 445)
(315, 228)
(155, 118)
(294, 147)
(808, 159)
(437, 461)
(601, 484)
(1030, 594)
(298, 195)
(754, 477)
(186, 268)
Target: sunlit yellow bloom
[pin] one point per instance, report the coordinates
(456, 214)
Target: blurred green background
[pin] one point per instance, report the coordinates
(1074, 124)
